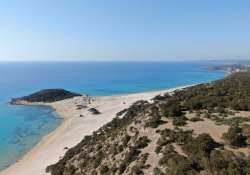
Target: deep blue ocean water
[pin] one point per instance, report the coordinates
(22, 127)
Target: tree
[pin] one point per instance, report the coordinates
(234, 137)
(104, 169)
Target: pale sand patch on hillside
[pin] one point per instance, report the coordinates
(207, 126)
(74, 128)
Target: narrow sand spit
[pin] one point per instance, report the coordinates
(74, 128)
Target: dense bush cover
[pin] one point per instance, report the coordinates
(202, 155)
(232, 91)
(234, 137)
(156, 118)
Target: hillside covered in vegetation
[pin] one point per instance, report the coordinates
(229, 68)
(162, 137)
(47, 95)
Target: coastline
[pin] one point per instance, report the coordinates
(74, 128)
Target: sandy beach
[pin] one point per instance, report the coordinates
(74, 128)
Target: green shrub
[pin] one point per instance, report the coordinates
(203, 144)
(234, 120)
(94, 111)
(103, 169)
(157, 171)
(158, 149)
(154, 121)
(171, 108)
(195, 119)
(142, 142)
(234, 137)
(180, 121)
(144, 158)
(122, 167)
(207, 115)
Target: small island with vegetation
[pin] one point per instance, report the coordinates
(46, 96)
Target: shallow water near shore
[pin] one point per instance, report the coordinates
(22, 127)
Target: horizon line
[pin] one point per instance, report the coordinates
(121, 60)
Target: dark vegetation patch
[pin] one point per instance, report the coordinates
(118, 114)
(180, 121)
(234, 120)
(230, 92)
(81, 106)
(142, 142)
(94, 111)
(156, 118)
(47, 95)
(196, 119)
(234, 137)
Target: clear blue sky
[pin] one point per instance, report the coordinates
(124, 29)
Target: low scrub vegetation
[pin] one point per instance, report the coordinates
(234, 120)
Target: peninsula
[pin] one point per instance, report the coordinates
(231, 68)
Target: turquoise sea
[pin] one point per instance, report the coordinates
(22, 127)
